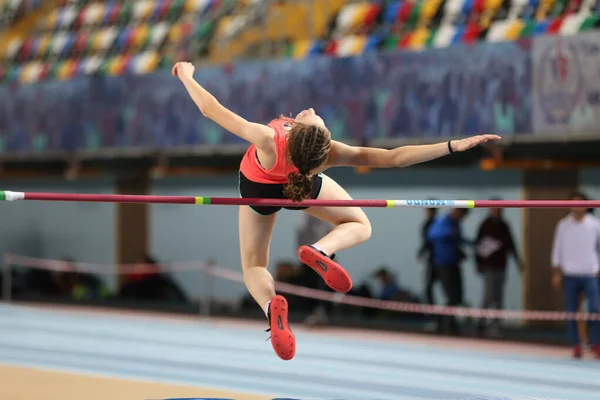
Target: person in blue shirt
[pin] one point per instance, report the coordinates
(446, 241)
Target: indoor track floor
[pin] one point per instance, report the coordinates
(63, 354)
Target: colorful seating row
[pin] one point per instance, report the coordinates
(73, 39)
(444, 36)
(75, 15)
(35, 71)
(25, 6)
(356, 17)
(63, 43)
(364, 27)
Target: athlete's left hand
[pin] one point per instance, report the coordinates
(468, 143)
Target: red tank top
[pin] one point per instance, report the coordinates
(253, 170)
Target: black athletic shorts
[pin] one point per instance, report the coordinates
(250, 189)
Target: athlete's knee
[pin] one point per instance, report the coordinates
(364, 228)
(367, 229)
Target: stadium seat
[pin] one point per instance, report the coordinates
(541, 28)
(571, 24)
(419, 38)
(142, 9)
(93, 14)
(428, 11)
(555, 25)
(444, 36)
(589, 23)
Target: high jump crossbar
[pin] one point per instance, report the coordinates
(234, 201)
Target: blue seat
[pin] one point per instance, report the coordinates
(391, 12)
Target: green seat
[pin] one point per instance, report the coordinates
(289, 50)
(105, 66)
(415, 13)
(432, 36)
(53, 73)
(558, 8)
(175, 10)
(588, 23)
(391, 42)
(126, 13)
(528, 29)
(204, 29)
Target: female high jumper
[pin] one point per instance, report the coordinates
(286, 160)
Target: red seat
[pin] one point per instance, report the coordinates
(44, 72)
(478, 6)
(80, 43)
(476, 11)
(130, 39)
(554, 26)
(26, 49)
(74, 66)
(372, 14)
(331, 48)
(164, 9)
(114, 13)
(80, 17)
(404, 41)
(471, 33)
(404, 11)
(572, 7)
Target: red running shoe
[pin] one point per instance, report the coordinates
(282, 337)
(332, 273)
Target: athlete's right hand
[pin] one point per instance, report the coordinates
(183, 70)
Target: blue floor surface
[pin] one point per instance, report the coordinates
(239, 359)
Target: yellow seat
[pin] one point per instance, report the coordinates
(151, 62)
(52, 19)
(175, 33)
(514, 30)
(192, 6)
(492, 4)
(114, 66)
(98, 39)
(359, 16)
(142, 9)
(45, 41)
(418, 39)
(94, 13)
(25, 72)
(358, 44)
(141, 35)
(65, 69)
(301, 48)
(543, 9)
(428, 10)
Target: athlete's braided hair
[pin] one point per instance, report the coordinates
(308, 148)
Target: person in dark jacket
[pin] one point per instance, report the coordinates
(425, 256)
(446, 241)
(493, 245)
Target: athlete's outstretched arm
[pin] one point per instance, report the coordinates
(257, 134)
(352, 156)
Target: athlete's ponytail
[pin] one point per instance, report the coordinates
(308, 149)
(299, 186)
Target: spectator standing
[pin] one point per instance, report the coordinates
(576, 262)
(389, 287)
(446, 241)
(424, 254)
(493, 245)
